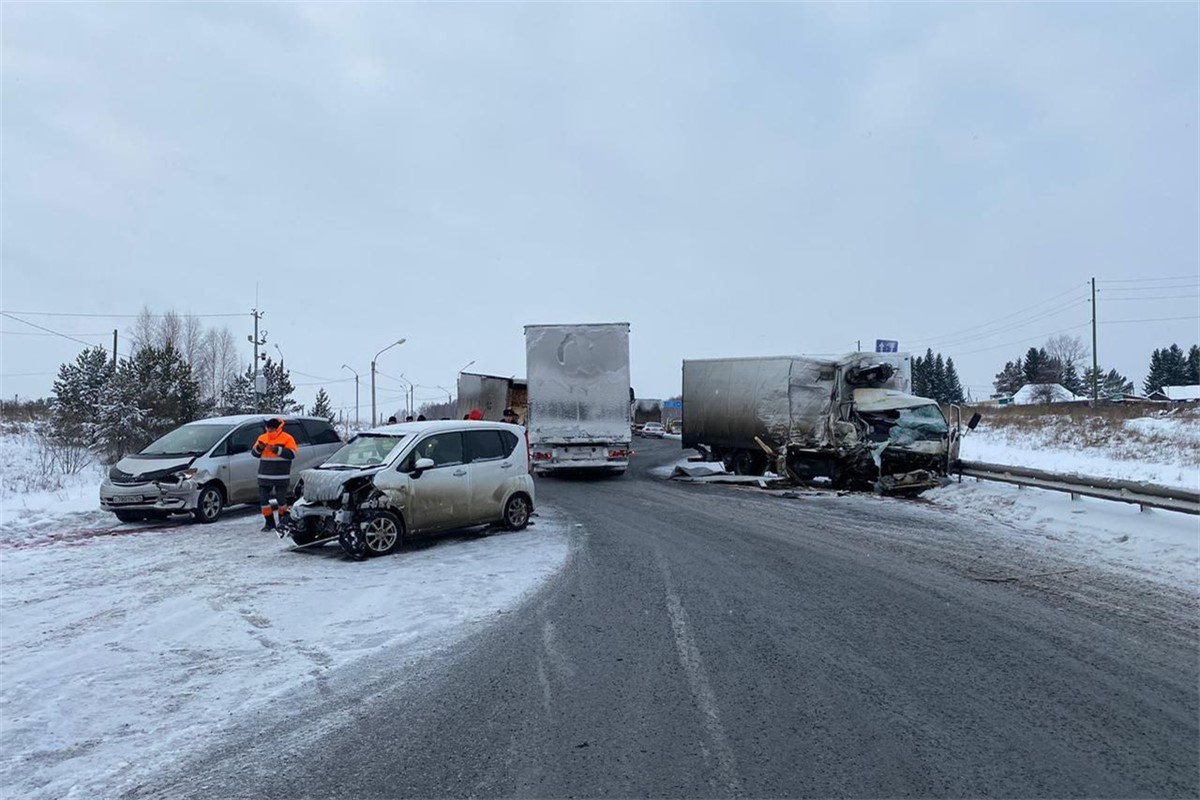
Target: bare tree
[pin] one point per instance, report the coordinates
(144, 331)
(191, 340)
(1067, 350)
(219, 361)
(170, 330)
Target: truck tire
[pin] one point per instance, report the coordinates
(746, 462)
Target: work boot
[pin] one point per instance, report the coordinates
(268, 524)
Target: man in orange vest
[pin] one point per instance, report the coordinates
(275, 450)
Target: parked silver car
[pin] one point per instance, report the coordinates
(417, 477)
(206, 465)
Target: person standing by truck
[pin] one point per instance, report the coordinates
(275, 450)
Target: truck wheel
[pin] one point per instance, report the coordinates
(743, 463)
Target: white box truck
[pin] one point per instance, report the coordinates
(579, 396)
(851, 420)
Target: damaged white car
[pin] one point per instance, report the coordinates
(418, 477)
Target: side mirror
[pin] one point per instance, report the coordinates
(422, 465)
(971, 423)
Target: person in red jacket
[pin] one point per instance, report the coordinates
(275, 450)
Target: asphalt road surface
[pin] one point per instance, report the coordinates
(711, 641)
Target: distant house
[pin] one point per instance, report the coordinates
(1179, 394)
(1038, 393)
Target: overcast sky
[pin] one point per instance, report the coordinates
(731, 179)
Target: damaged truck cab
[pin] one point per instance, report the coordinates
(850, 420)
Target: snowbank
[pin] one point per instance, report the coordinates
(1164, 450)
(1163, 546)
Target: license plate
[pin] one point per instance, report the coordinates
(127, 498)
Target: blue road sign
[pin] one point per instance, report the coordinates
(887, 346)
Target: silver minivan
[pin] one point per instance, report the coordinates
(203, 466)
(416, 477)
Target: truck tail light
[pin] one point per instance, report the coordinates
(619, 453)
(540, 456)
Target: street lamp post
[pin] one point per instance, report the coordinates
(374, 418)
(356, 423)
(408, 393)
(469, 363)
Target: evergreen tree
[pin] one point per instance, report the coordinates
(163, 388)
(277, 399)
(1193, 365)
(1010, 379)
(1071, 382)
(77, 392)
(120, 424)
(937, 379)
(238, 395)
(1037, 366)
(321, 407)
(920, 375)
(954, 390)
(1168, 367)
(1108, 384)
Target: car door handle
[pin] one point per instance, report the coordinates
(506, 465)
(458, 473)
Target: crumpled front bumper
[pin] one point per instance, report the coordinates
(164, 497)
(914, 482)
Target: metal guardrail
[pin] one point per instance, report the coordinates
(1146, 495)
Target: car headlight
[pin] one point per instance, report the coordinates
(179, 476)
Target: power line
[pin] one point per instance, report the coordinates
(1023, 341)
(1042, 315)
(1038, 305)
(48, 330)
(1156, 297)
(117, 316)
(1152, 319)
(1147, 280)
(1156, 288)
(32, 333)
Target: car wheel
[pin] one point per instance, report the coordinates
(381, 532)
(209, 504)
(130, 516)
(516, 512)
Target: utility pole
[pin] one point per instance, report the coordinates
(114, 348)
(1095, 358)
(356, 423)
(257, 341)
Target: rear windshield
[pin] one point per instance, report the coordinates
(366, 450)
(190, 440)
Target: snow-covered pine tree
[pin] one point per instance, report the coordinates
(1193, 364)
(278, 396)
(77, 392)
(321, 406)
(119, 426)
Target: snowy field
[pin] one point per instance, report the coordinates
(124, 646)
(1163, 449)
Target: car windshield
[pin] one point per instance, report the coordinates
(366, 450)
(190, 440)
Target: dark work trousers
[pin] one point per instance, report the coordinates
(276, 489)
